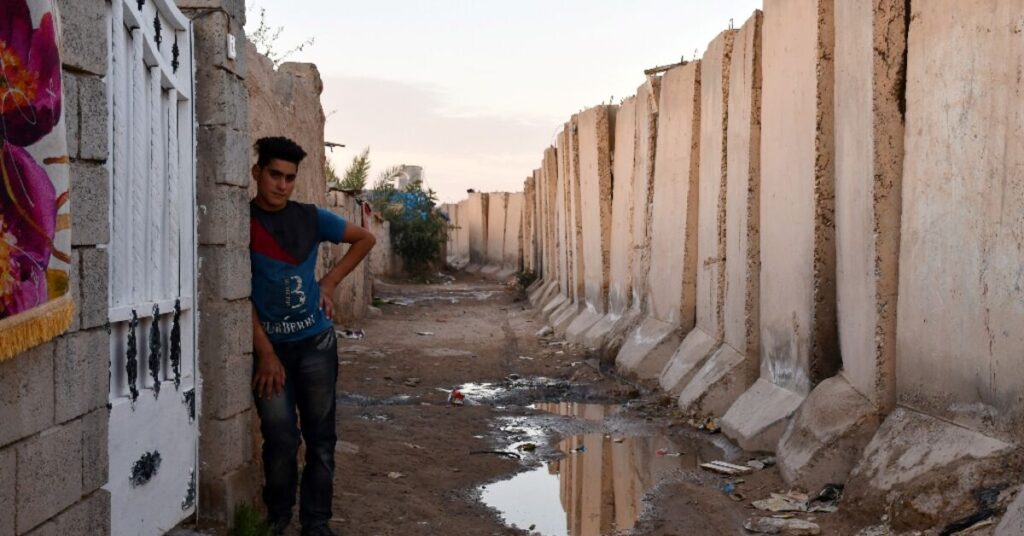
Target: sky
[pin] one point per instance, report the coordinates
(474, 91)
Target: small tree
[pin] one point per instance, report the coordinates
(265, 37)
(357, 172)
(418, 231)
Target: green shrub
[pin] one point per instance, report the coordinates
(418, 230)
(249, 522)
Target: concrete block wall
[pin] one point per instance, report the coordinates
(53, 436)
(497, 209)
(224, 158)
(354, 295)
(512, 247)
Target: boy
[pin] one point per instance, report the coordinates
(296, 360)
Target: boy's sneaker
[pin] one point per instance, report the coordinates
(278, 526)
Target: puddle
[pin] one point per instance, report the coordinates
(523, 391)
(598, 484)
(349, 399)
(450, 295)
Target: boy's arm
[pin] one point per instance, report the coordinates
(268, 379)
(362, 242)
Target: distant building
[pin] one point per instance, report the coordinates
(408, 175)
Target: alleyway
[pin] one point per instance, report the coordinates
(411, 464)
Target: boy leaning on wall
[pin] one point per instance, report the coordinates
(295, 350)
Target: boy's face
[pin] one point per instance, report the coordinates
(275, 182)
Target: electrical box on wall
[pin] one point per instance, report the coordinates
(232, 49)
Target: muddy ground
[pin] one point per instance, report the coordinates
(589, 453)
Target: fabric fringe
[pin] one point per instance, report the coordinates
(34, 327)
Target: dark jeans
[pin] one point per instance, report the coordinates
(311, 372)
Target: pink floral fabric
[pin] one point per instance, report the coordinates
(34, 214)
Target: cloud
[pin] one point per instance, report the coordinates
(406, 123)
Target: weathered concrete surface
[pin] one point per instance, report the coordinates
(497, 206)
(527, 239)
(476, 220)
(1012, 523)
(686, 361)
(647, 98)
(961, 307)
(869, 66)
(923, 471)
(798, 330)
(823, 441)
(734, 367)
(671, 299)
(512, 251)
(595, 204)
(702, 340)
(758, 418)
(621, 233)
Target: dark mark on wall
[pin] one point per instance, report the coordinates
(131, 361)
(156, 29)
(190, 403)
(190, 493)
(145, 469)
(154, 351)
(175, 353)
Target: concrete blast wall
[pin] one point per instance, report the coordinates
(671, 279)
(798, 329)
(620, 246)
(710, 227)
(528, 216)
(595, 207)
(731, 369)
(476, 219)
(496, 210)
(512, 248)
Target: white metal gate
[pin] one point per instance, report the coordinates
(153, 434)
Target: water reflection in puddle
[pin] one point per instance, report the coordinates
(597, 488)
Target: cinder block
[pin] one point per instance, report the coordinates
(225, 328)
(93, 119)
(230, 163)
(220, 495)
(225, 272)
(223, 214)
(75, 289)
(211, 34)
(7, 487)
(94, 285)
(91, 516)
(26, 393)
(84, 34)
(90, 197)
(221, 99)
(227, 381)
(49, 474)
(81, 374)
(70, 103)
(95, 458)
(237, 431)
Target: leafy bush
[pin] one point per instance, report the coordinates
(248, 522)
(525, 278)
(418, 230)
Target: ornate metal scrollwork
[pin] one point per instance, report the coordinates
(189, 399)
(157, 27)
(190, 493)
(175, 350)
(154, 351)
(140, 2)
(145, 468)
(131, 358)
(175, 54)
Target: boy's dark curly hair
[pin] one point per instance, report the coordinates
(278, 147)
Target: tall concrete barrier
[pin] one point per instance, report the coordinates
(621, 250)
(496, 211)
(959, 366)
(733, 368)
(512, 252)
(574, 305)
(477, 212)
(552, 248)
(798, 327)
(595, 207)
(560, 216)
(824, 440)
(706, 336)
(671, 279)
(528, 238)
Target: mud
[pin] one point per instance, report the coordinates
(544, 438)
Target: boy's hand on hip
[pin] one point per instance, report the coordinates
(327, 299)
(268, 380)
